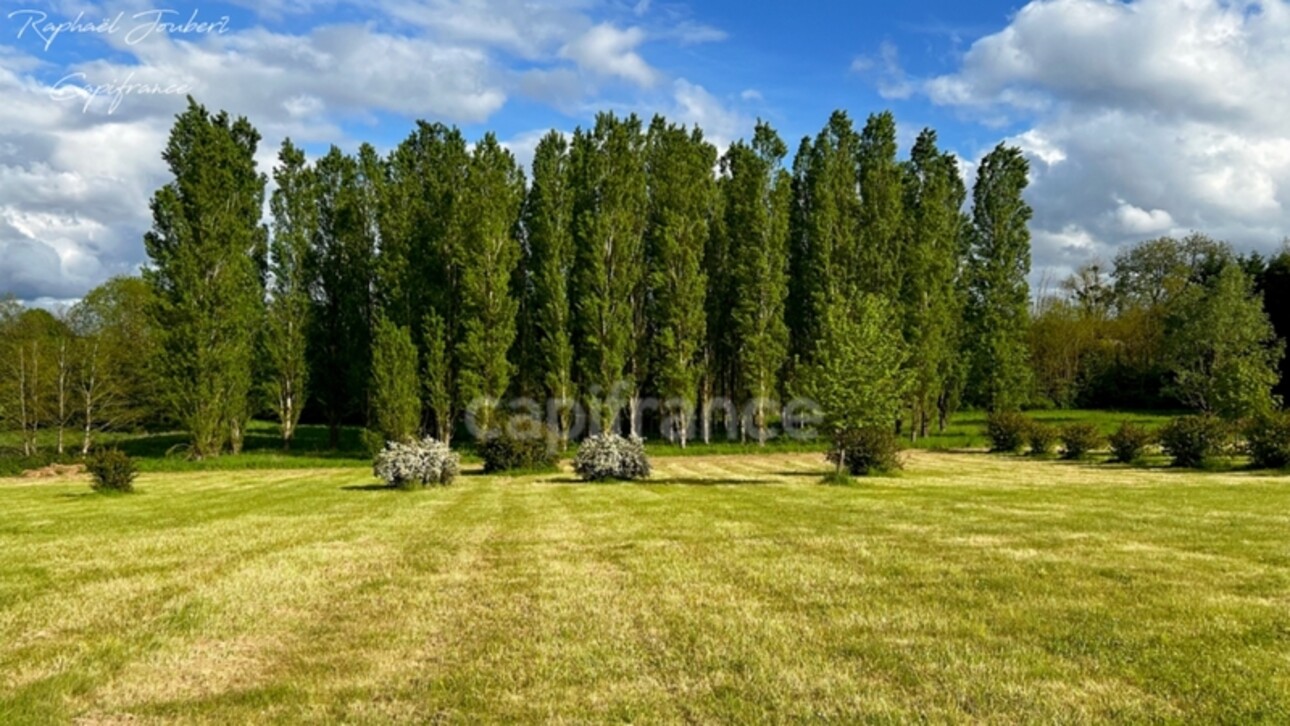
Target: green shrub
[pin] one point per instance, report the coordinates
(1079, 440)
(1129, 443)
(602, 457)
(1007, 431)
(522, 443)
(416, 464)
(1267, 441)
(112, 470)
(1195, 441)
(869, 450)
(1041, 438)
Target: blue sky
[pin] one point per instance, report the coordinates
(1140, 118)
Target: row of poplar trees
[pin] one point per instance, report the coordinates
(397, 290)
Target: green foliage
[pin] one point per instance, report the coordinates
(519, 443)
(1222, 350)
(998, 263)
(286, 331)
(1196, 441)
(865, 451)
(1080, 439)
(857, 377)
(438, 378)
(493, 196)
(933, 305)
(112, 471)
(207, 251)
(608, 456)
(1041, 438)
(548, 220)
(1267, 440)
(1129, 443)
(611, 200)
(880, 255)
(416, 464)
(396, 403)
(341, 276)
(682, 202)
(1007, 431)
(756, 203)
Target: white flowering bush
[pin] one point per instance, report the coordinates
(610, 456)
(416, 464)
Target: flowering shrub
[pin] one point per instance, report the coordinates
(416, 464)
(610, 456)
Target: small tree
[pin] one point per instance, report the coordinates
(1223, 352)
(857, 377)
(396, 405)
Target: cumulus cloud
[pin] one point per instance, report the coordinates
(81, 134)
(1144, 118)
(605, 50)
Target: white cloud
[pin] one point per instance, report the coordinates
(607, 51)
(694, 105)
(1145, 117)
(892, 81)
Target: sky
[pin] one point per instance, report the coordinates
(1139, 118)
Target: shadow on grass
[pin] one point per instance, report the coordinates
(369, 488)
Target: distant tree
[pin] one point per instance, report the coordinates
(998, 292)
(27, 390)
(682, 194)
(1223, 351)
(396, 400)
(610, 213)
(858, 376)
(757, 195)
(1275, 286)
(548, 222)
(491, 207)
(295, 223)
(207, 253)
(878, 261)
(826, 258)
(115, 346)
(437, 380)
(1153, 273)
(934, 196)
(341, 275)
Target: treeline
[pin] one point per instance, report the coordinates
(1173, 323)
(636, 277)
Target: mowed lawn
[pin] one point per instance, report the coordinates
(971, 588)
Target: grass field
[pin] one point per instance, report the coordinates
(971, 588)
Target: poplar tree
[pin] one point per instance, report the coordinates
(207, 256)
(396, 400)
(934, 196)
(830, 227)
(548, 222)
(286, 335)
(610, 207)
(879, 257)
(492, 199)
(681, 189)
(341, 281)
(757, 195)
(998, 294)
